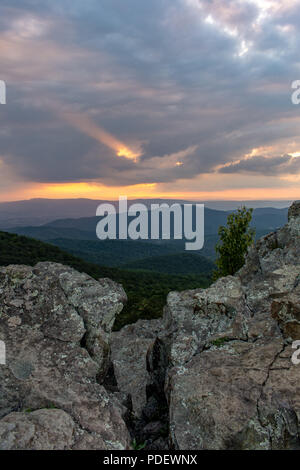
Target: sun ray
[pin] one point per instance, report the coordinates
(88, 127)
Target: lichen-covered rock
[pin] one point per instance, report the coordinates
(231, 383)
(39, 430)
(193, 318)
(214, 397)
(56, 325)
(294, 211)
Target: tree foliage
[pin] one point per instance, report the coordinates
(235, 239)
(146, 291)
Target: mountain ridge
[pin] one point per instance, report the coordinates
(40, 211)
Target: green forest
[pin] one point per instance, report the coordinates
(146, 289)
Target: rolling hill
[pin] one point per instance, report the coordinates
(78, 237)
(114, 253)
(146, 291)
(264, 219)
(178, 263)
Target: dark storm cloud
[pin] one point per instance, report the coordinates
(198, 82)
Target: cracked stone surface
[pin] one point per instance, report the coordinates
(136, 360)
(129, 348)
(56, 324)
(231, 383)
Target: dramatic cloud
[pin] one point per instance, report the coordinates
(283, 165)
(173, 93)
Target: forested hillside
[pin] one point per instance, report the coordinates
(146, 291)
(178, 263)
(114, 253)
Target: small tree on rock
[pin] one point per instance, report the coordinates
(235, 239)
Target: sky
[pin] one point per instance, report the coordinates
(159, 98)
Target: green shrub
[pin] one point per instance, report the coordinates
(220, 341)
(235, 239)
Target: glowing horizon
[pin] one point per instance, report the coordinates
(143, 191)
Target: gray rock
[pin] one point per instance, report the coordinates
(230, 380)
(39, 430)
(213, 398)
(129, 348)
(294, 211)
(193, 318)
(56, 324)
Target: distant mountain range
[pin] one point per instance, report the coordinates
(78, 237)
(264, 219)
(35, 212)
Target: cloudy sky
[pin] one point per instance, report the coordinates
(180, 98)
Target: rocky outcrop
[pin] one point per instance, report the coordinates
(56, 324)
(231, 383)
(224, 354)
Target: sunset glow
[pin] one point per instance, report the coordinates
(188, 99)
(127, 153)
(98, 191)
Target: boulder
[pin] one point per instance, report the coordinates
(37, 430)
(56, 324)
